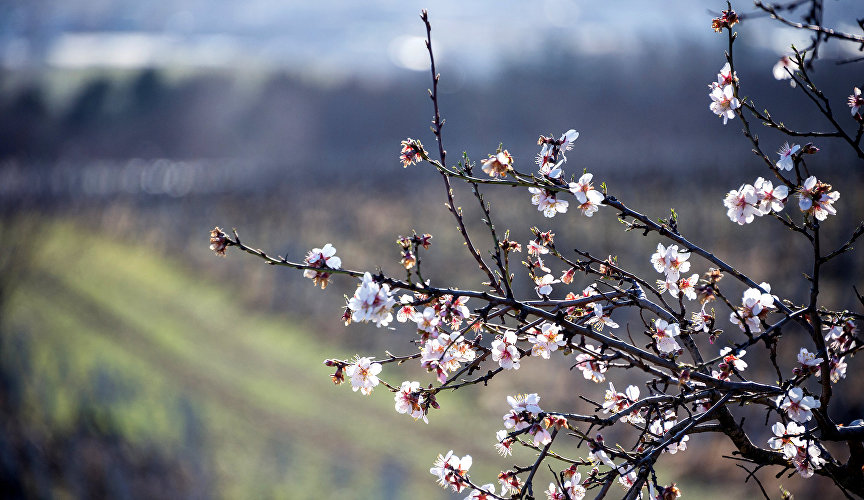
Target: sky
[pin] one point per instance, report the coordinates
(344, 37)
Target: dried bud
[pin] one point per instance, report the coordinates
(346, 316)
(670, 492)
(218, 241)
(809, 149)
(423, 241)
(727, 20)
(339, 376)
(607, 266)
(567, 277)
(431, 401)
(713, 275)
(510, 246)
(705, 293)
(546, 238)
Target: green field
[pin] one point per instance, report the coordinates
(169, 360)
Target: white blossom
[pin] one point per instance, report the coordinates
(548, 339)
(589, 199)
(755, 305)
(504, 351)
(724, 103)
(592, 367)
(817, 199)
(372, 302)
(786, 152)
(600, 319)
(770, 198)
(363, 373)
(798, 406)
(451, 470)
(408, 400)
(664, 334)
(547, 202)
(742, 204)
(787, 438)
(784, 68)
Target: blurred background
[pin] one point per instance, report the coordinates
(136, 364)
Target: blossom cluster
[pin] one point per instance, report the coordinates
(792, 439)
(756, 200)
(446, 310)
(550, 160)
(452, 471)
(755, 306)
(816, 198)
(671, 262)
(793, 442)
(731, 363)
(372, 302)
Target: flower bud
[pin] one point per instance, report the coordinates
(684, 378)
(218, 241)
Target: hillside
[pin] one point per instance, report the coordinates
(167, 361)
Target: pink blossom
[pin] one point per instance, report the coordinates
(536, 248)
